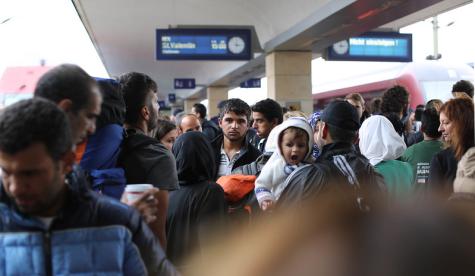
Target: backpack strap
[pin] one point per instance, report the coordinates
(340, 162)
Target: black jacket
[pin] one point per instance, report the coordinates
(330, 171)
(210, 129)
(199, 203)
(308, 182)
(247, 154)
(414, 138)
(146, 161)
(254, 139)
(443, 168)
(255, 167)
(85, 209)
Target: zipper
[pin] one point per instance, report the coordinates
(47, 252)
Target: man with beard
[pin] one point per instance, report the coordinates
(48, 228)
(231, 148)
(76, 93)
(144, 158)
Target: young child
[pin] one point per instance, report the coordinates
(295, 142)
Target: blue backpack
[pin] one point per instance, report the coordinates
(100, 161)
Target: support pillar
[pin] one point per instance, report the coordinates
(215, 95)
(188, 104)
(289, 79)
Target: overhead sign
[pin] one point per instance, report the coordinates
(172, 98)
(161, 104)
(251, 83)
(184, 84)
(375, 46)
(203, 44)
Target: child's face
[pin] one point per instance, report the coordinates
(293, 148)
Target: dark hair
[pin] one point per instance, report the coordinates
(136, 88)
(364, 116)
(113, 106)
(31, 121)
(339, 134)
(270, 109)
(395, 99)
(66, 81)
(418, 113)
(463, 86)
(430, 123)
(237, 106)
(375, 106)
(163, 127)
(200, 109)
(460, 112)
(221, 104)
(395, 121)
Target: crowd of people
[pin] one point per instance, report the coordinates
(315, 185)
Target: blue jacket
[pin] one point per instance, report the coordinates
(107, 250)
(92, 234)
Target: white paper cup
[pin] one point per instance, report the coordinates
(134, 191)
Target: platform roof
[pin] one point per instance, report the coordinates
(123, 31)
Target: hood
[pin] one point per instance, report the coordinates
(298, 122)
(113, 105)
(194, 158)
(135, 138)
(379, 140)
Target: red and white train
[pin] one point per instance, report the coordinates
(424, 81)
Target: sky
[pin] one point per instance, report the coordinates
(51, 30)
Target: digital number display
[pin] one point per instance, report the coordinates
(203, 44)
(192, 45)
(373, 47)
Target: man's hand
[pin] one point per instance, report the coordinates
(146, 204)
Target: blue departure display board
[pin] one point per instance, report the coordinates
(376, 46)
(203, 44)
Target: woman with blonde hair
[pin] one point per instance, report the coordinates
(456, 125)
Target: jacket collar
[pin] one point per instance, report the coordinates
(7, 207)
(219, 140)
(337, 148)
